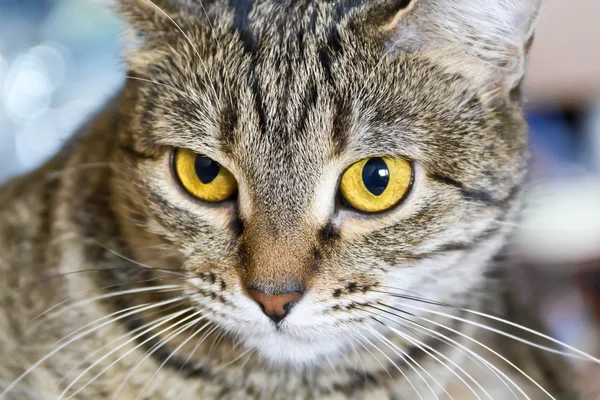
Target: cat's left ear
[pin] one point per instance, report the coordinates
(486, 40)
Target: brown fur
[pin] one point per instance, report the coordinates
(286, 95)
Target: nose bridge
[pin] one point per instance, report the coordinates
(277, 261)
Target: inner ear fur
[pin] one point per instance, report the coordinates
(401, 11)
(487, 41)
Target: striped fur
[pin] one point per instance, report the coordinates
(286, 95)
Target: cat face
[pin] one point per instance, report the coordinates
(278, 103)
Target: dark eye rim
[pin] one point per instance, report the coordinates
(226, 203)
(342, 203)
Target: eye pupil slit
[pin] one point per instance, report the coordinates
(376, 176)
(206, 169)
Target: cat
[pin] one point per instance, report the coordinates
(286, 199)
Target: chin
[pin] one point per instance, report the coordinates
(282, 350)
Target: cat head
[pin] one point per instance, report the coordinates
(309, 161)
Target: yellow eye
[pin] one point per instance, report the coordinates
(376, 184)
(203, 177)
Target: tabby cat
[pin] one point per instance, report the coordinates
(287, 199)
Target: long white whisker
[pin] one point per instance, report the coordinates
(45, 313)
(173, 316)
(197, 345)
(405, 356)
(151, 351)
(106, 296)
(394, 364)
(96, 321)
(89, 270)
(375, 358)
(12, 385)
(484, 346)
(235, 359)
(142, 265)
(423, 329)
(216, 341)
(581, 355)
(469, 351)
(475, 360)
(167, 339)
(112, 342)
(359, 359)
(421, 344)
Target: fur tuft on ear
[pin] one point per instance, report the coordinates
(487, 40)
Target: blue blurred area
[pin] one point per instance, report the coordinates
(59, 60)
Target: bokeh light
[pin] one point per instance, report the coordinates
(59, 60)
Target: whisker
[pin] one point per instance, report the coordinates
(166, 340)
(581, 354)
(359, 359)
(139, 307)
(376, 359)
(487, 348)
(30, 285)
(405, 356)
(102, 288)
(235, 359)
(112, 342)
(197, 345)
(236, 343)
(173, 316)
(469, 351)
(421, 344)
(153, 349)
(15, 382)
(139, 264)
(162, 288)
(469, 356)
(332, 366)
(394, 364)
(245, 362)
(216, 341)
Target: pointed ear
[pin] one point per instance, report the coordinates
(485, 40)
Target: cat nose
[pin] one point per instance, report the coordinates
(275, 306)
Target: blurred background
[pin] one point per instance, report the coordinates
(59, 61)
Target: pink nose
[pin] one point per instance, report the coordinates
(275, 306)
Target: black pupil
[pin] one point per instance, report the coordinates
(376, 176)
(206, 169)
